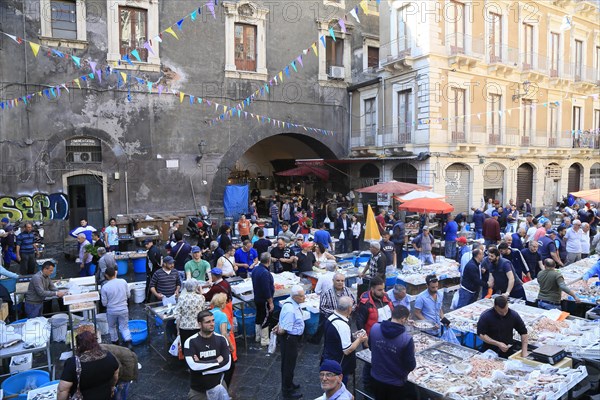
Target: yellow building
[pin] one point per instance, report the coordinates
(483, 99)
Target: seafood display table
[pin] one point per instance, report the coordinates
(413, 274)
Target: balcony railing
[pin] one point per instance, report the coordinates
(502, 54)
(534, 62)
(458, 137)
(461, 44)
(399, 49)
(495, 139)
(585, 139)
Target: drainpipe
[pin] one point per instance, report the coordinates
(126, 194)
(350, 122)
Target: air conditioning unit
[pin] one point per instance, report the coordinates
(336, 72)
(82, 157)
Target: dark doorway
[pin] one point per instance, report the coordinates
(86, 200)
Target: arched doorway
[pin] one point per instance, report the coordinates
(595, 176)
(524, 183)
(575, 172)
(267, 153)
(493, 182)
(552, 193)
(404, 172)
(458, 187)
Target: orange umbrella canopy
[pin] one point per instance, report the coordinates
(589, 195)
(427, 205)
(392, 187)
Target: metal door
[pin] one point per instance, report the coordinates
(524, 183)
(574, 178)
(458, 190)
(86, 200)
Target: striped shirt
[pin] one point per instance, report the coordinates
(25, 241)
(165, 283)
(329, 300)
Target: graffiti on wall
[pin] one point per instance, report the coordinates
(35, 207)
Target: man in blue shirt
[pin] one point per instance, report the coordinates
(323, 237)
(26, 251)
(547, 248)
(246, 259)
(264, 289)
(450, 233)
(291, 322)
(472, 280)
(595, 270)
(398, 296)
(428, 305)
(502, 278)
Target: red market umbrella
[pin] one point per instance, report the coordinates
(427, 205)
(392, 187)
(305, 170)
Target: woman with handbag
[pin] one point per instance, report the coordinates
(91, 374)
(189, 304)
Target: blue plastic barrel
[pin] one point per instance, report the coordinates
(16, 384)
(312, 324)
(123, 267)
(139, 265)
(249, 318)
(50, 383)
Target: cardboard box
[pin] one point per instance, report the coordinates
(21, 366)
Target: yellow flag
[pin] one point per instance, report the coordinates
(314, 47)
(124, 76)
(170, 30)
(35, 48)
(365, 7)
(181, 96)
(77, 82)
(371, 229)
(281, 76)
(258, 118)
(224, 108)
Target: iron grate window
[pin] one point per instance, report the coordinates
(84, 150)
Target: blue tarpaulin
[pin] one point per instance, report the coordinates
(235, 200)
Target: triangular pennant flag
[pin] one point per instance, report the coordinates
(322, 38)
(208, 102)
(12, 37)
(275, 79)
(191, 99)
(479, 116)
(179, 23)
(77, 61)
(66, 88)
(293, 64)
(170, 31)
(77, 82)
(158, 38)
(199, 100)
(305, 51)
(124, 76)
(35, 48)
(225, 108)
(149, 84)
(99, 73)
(280, 76)
(140, 80)
(52, 91)
(314, 47)
(509, 112)
(365, 7)
(299, 58)
(342, 25)
(193, 15)
(181, 96)
(148, 47)
(135, 53)
(91, 75)
(287, 71)
(84, 78)
(58, 53)
(126, 58)
(211, 8)
(267, 88)
(160, 89)
(354, 13)
(332, 34)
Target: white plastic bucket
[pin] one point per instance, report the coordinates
(102, 323)
(59, 327)
(139, 294)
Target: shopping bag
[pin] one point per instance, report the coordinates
(526, 278)
(174, 349)
(450, 337)
(217, 393)
(272, 343)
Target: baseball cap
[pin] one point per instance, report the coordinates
(300, 236)
(168, 260)
(331, 366)
(431, 278)
(307, 245)
(529, 215)
(146, 241)
(425, 228)
(5, 220)
(462, 240)
(196, 249)
(495, 214)
(551, 232)
(216, 271)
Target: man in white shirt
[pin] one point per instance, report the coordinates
(574, 241)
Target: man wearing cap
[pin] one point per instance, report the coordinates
(450, 234)
(462, 248)
(165, 282)
(291, 322)
(197, 268)
(428, 305)
(423, 243)
(296, 246)
(502, 278)
(392, 357)
(264, 289)
(219, 285)
(495, 327)
(306, 258)
(573, 239)
(491, 229)
(548, 249)
(331, 378)
(343, 226)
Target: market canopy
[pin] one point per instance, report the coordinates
(305, 170)
(427, 206)
(419, 194)
(392, 187)
(589, 195)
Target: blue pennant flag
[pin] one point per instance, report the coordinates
(179, 23)
(135, 53)
(126, 58)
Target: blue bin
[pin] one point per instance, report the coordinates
(123, 267)
(20, 321)
(390, 281)
(10, 284)
(312, 324)
(50, 383)
(16, 384)
(139, 265)
(249, 318)
(92, 269)
(139, 331)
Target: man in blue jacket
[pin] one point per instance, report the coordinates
(392, 357)
(472, 280)
(478, 218)
(264, 289)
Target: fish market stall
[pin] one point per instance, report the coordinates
(413, 274)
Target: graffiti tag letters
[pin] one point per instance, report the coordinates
(36, 207)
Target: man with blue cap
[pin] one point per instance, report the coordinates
(197, 268)
(330, 375)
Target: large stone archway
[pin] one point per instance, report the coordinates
(326, 147)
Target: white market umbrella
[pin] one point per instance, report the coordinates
(420, 194)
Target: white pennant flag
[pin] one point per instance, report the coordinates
(566, 23)
(355, 15)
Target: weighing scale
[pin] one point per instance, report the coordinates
(548, 354)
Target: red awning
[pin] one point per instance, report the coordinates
(305, 170)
